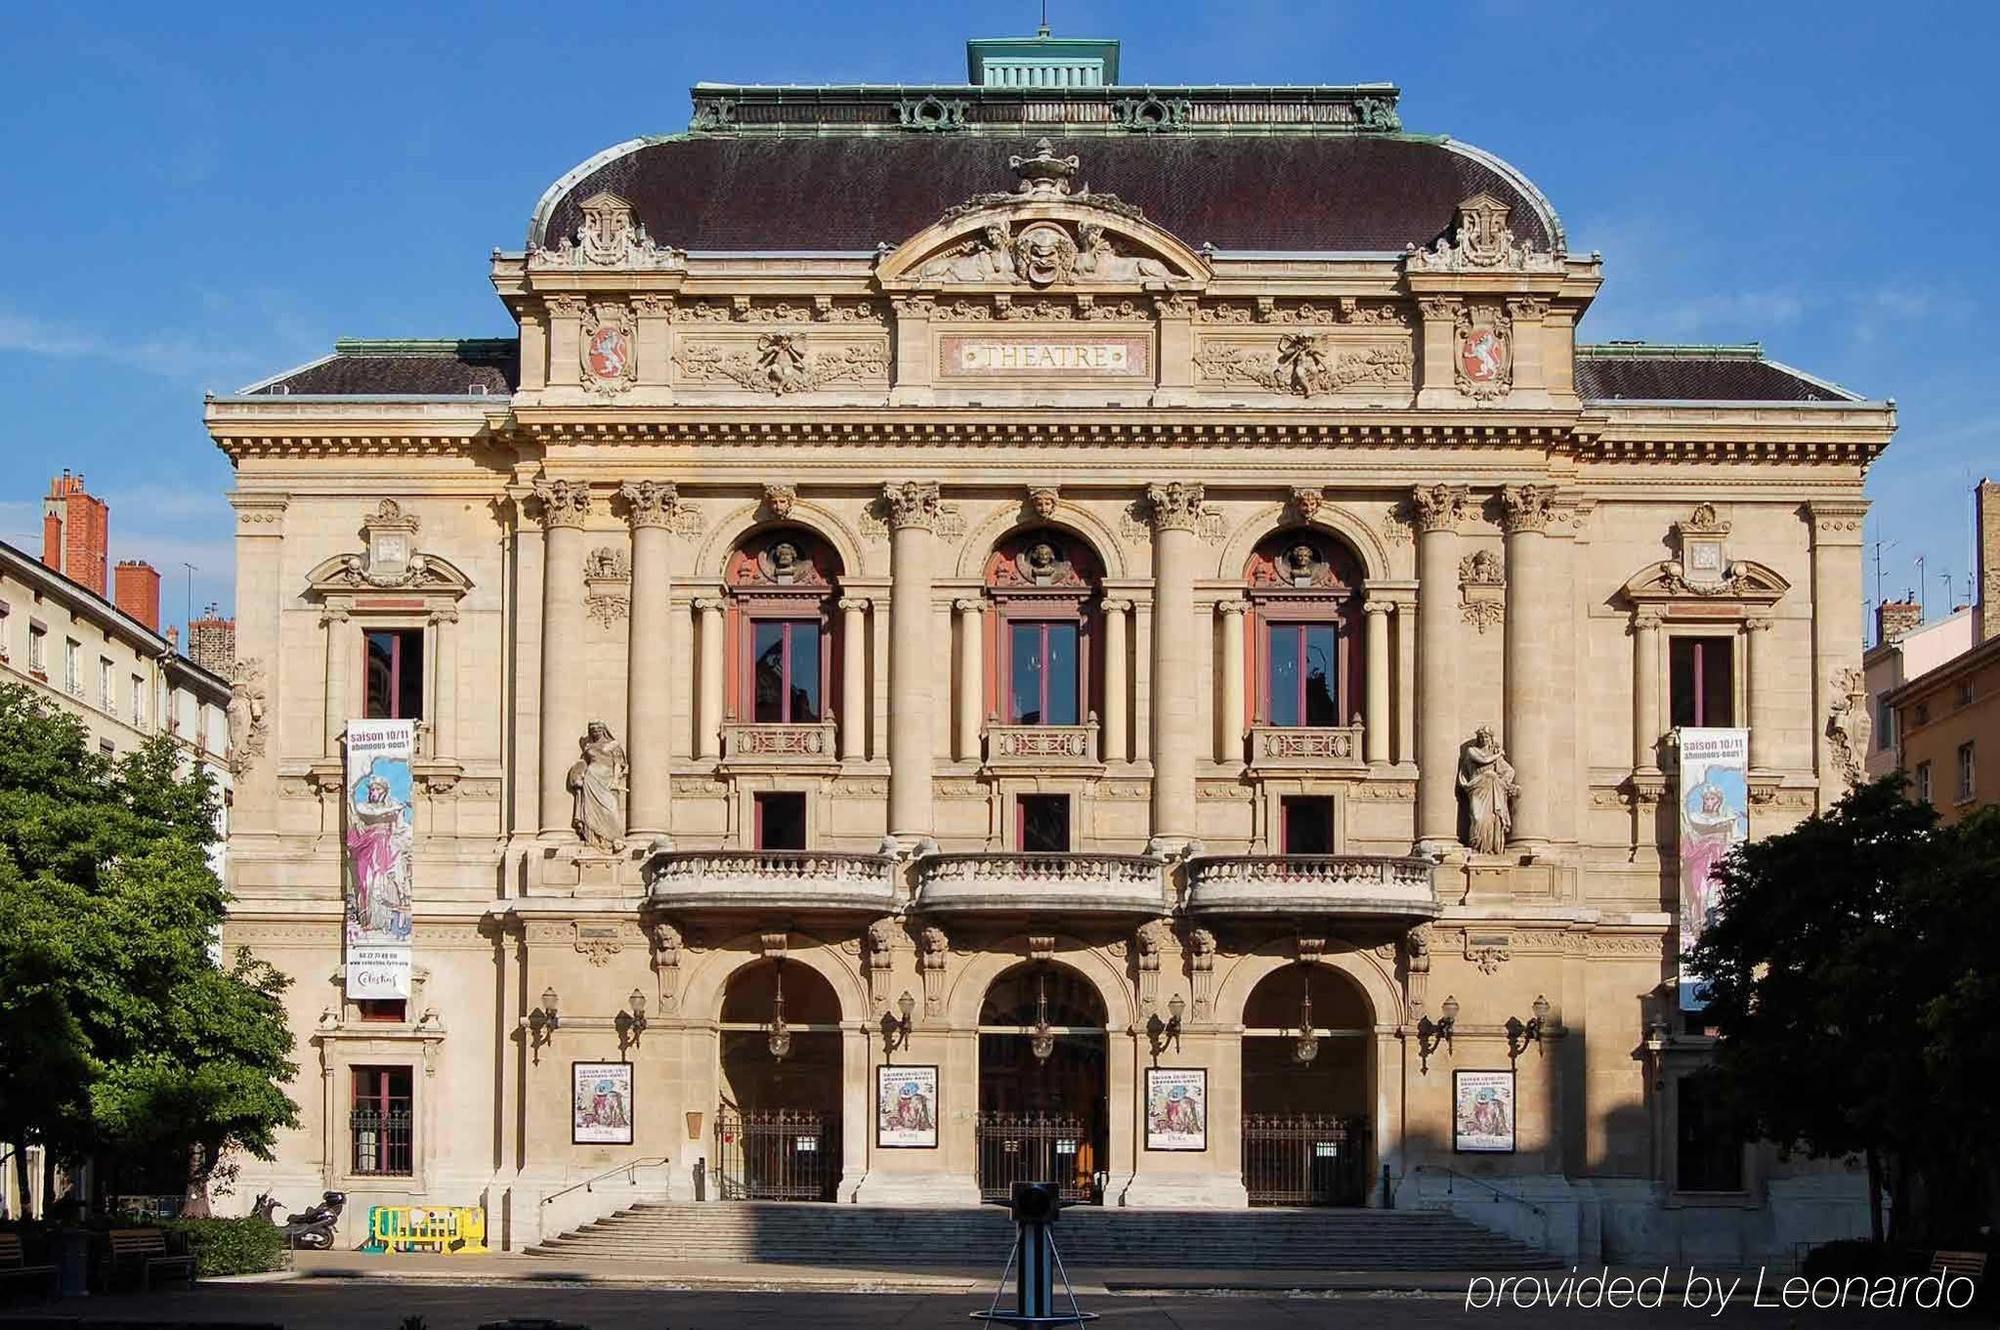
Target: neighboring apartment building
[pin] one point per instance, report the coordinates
(1947, 717)
(1906, 648)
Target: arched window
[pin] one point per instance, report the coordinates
(1043, 584)
(1305, 587)
(781, 584)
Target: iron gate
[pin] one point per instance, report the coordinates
(1305, 1159)
(776, 1154)
(1037, 1147)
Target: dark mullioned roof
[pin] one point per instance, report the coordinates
(1645, 372)
(1370, 193)
(447, 367)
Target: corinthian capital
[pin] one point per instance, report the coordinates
(1526, 507)
(1438, 507)
(563, 503)
(650, 502)
(912, 503)
(1174, 506)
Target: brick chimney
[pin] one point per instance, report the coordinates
(1894, 618)
(211, 642)
(135, 589)
(1986, 593)
(76, 532)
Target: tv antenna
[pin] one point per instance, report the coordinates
(187, 624)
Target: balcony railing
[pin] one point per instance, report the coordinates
(1074, 883)
(1306, 748)
(764, 879)
(1042, 745)
(1303, 884)
(809, 744)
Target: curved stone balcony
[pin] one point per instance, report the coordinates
(800, 880)
(1355, 885)
(1000, 883)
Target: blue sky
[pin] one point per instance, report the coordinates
(201, 201)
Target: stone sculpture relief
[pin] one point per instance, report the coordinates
(247, 700)
(780, 363)
(1847, 723)
(597, 784)
(1486, 782)
(1482, 242)
(1306, 365)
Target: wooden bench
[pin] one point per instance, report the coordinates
(14, 1264)
(147, 1249)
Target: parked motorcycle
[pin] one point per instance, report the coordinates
(312, 1228)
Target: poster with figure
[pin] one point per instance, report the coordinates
(601, 1103)
(1715, 815)
(906, 1108)
(1176, 1108)
(1482, 1112)
(380, 835)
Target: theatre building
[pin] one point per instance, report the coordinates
(1033, 628)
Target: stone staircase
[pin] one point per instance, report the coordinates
(1088, 1237)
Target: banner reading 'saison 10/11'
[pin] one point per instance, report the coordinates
(380, 830)
(1715, 815)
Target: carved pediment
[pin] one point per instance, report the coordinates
(387, 561)
(1741, 580)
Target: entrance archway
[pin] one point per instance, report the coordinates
(1043, 1108)
(778, 1125)
(1308, 1042)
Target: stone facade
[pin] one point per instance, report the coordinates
(799, 523)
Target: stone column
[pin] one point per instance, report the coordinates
(1175, 509)
(341, 644)
(1529, 706)
(1836, 608)
(1646, 691)
(1438, 510)
(971, 677)
(913, 511)
(853, 678)
(1142, 693)
(256, 675)
(649, 712)
(444, 683)
(1406, 682)
(1758, 689)
(1229, 707)
(565, 507)
(1375, 700)
(708, 712)
(1117, 747)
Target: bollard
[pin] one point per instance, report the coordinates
(1388, 1196)
(701, 1179)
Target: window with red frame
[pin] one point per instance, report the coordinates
(380, 1009)
(787, 671)
(781, 820)
(1043, 674)
(1306, 826)
(1702, 680)
(1041, 823)
(395, 674)
(379, 1122)
(1302, 674)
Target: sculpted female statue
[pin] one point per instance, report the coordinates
(597, 781)
(1486, 778)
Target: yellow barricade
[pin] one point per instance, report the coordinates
(453, 1230)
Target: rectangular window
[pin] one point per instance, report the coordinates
(1924, 782)
(1965, 692)
(787, 666)
(395, 674)
(38, 649)
(107, 695)
(1709, 1153)
(1885, 723)
(6, 631)
(1307, 824)
(781, 821)
(1043, 675)
(138, 701)
(1301, 677)
(379, 1125)
(381, 1010)
(106, 747)
(1968, 775)
(1703, 683)
(73, 666)
(1042, 823)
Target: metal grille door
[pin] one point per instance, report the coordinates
(1036, 1147)
(1305, 1159)
(779, 1154)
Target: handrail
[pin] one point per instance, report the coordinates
(588, 1184)
(1501, 1192)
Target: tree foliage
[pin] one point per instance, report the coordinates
(1847, 975)
(121, 1036)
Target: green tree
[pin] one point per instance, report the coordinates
(134, 1043)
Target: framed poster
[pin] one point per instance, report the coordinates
(906, 1107)
(601, 1103)
(1176, 1108)
(1482, 1112)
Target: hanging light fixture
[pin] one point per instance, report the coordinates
(1043, 1041)
(1306, 1047)
(780, 1041)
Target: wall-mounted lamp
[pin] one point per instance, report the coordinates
(631, 1022)
(1042, 1040)
(1431, 1033)
(542, 1023)
(1306, 1047)
(1163, 1032)
(780, 1039)
(896, 1029)
(1522, 1033)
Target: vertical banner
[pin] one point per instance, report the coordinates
(1176, 1108)
(600, 1103)
(1715, 814)
(1482, 1112)
(906, 1107)
(380, 831)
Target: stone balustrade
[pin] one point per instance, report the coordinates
(998, 882)
(1307, 884)
(827, 880)
(1302, 748)
(1042, 745)
(809, 744)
